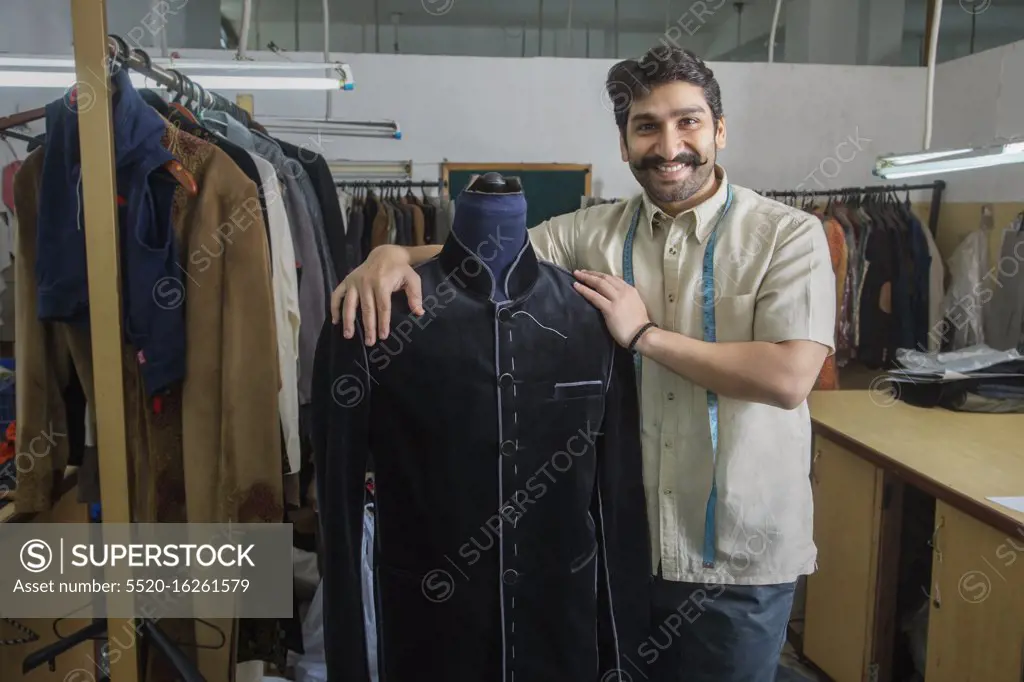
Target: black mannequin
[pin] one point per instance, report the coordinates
(483, 568)
(490, 221)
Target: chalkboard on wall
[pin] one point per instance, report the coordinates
(550, 188)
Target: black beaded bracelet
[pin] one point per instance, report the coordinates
(636, 339)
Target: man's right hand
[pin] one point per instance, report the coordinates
(369, 287)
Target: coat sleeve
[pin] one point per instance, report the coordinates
(42, 434)
(620, 512)
(340, 438)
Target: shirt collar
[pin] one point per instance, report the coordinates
(705, 214)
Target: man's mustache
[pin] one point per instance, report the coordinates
(652, 161)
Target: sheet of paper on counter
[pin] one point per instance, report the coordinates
(1014, 503)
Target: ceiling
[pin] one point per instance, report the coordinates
(997, 23)
(642, 14)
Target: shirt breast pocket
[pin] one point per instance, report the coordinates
(734, 318)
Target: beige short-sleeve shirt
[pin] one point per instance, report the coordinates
(773, 282)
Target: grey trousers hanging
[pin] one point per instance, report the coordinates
(1004, 314)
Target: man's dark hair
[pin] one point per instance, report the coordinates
(631, 79)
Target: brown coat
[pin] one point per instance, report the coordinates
(213, 453)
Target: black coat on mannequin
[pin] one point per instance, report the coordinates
(511, 537)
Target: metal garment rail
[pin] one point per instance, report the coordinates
(121, 55)
(421, 184)
(936, 188)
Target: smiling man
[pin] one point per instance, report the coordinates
(729, 299)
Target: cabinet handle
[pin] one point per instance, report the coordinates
(933, 597)
(934, 542)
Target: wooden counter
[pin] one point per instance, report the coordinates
(867, 450)
(959, 457)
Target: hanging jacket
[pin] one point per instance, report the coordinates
(319, 174)
(314, 298)
(153, 301)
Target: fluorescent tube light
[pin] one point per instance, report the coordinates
(64, 80)
(255, 82)
(180, 64)
(911, 165)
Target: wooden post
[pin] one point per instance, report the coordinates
(99, 190)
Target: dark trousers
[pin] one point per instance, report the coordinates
(713, 633)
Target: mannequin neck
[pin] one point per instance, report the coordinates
(492, 226)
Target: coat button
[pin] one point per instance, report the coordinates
(508, 448)
(504, 315)
(510, 576)
(505, 380)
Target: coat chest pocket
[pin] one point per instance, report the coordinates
(577, 390)
(578, 405)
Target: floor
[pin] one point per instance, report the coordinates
(791, 670)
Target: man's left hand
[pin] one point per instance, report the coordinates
(624, 311)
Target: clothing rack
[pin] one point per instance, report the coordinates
(4, 134)
(439, 184)
(936, 188)
(21, 118)
(97, 56)
(120, 55)
(123, 56)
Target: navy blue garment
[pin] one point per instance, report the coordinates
(153, 290)
(493, 228)
(902, 328)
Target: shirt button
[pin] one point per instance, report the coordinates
(671, 298)
(510, 576)
(673, 252)
(508, 448)
(671, 396)
(668, 491)
(668, 444)
(505, 380)
(504, 315)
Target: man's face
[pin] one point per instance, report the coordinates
(671, 142)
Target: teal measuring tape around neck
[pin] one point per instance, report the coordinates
(708, 322)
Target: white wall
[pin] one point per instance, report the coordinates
(980, 100)
(788, 125)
